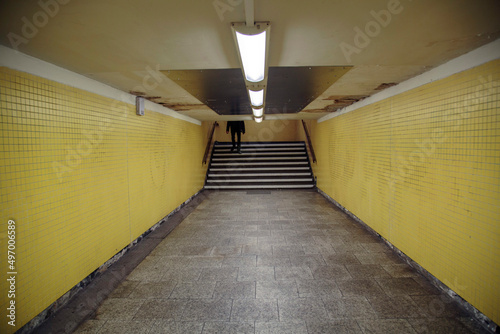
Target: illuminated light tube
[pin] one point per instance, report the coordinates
(256, 97)
(258, 119)
(253, 55)
(258, 112)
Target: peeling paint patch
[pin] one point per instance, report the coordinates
(383, 86)
(342, 102)
(183, 107)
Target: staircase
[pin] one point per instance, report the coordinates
(261, 165)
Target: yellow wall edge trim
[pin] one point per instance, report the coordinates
(477, 57)
(19, 61)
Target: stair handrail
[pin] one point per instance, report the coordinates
(309, 142)
(209, 143)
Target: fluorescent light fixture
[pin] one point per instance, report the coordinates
(256, 97)
(253, 55)
(258, 112)
(258, 119)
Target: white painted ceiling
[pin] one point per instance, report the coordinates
(127, 43)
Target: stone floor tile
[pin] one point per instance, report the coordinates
(185, 290)
(277, 289)
(312, 261)
(176, 327)
(337, 327)
(234, 290)
(273, 261)
(146, 290)
(255, 310)
(124, 289)
(287, 273)
(337, 272)
(289, 327)
(397, 307)
(207, 310)
(205, 261)
(349, 308)
(240, 261)
(256, 274)
(400, 270)
(219, 274)
(318, 288)
(358, 287)
(305, 309)
(257, 250)
(131, 326)
(367, 271)
(438, 306)
(212, 327)
(386, 326)
(161, 309)
(439, 325)
(226, 250)
(400, 286)
(90, 326)
(118, 309)
(341, 259)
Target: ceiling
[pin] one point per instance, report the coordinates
(323, 55)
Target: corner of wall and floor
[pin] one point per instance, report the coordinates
(420, 165)
(83, 176)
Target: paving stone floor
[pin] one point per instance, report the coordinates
(285, 262)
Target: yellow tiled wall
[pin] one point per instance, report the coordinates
(422, 168)
(82, 176)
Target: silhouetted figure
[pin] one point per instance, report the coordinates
(237, 128)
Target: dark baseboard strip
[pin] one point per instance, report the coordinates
(81, 302)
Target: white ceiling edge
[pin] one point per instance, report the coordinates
(479, 56)
(21, 62)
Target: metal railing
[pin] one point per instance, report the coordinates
(209, 143)
(309, 142)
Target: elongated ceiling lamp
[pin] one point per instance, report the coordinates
(252, 44)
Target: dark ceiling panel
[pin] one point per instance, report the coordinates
(289, 89)
(222, 90)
